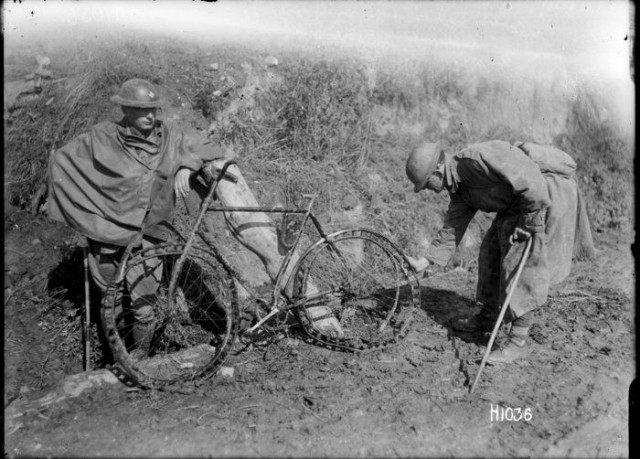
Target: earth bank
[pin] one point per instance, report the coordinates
(347, 142)
(294, 399)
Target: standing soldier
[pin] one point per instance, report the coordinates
(535, 195)
(121, 178)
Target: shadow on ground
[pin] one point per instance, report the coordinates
(444, 306)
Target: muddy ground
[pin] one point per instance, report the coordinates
(293, 399)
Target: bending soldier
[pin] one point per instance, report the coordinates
(535, 195)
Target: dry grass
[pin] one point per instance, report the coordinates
(342, 128)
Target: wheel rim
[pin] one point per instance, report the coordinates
(195, 324)
(361, 278)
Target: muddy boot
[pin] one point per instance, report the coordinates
(143, 329)
(484, 321)
(328, 324)
(516, 348)
(143, 336)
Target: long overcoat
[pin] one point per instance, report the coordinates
(509, 180)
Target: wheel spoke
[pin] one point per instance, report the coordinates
(195, 325)
(366, 269)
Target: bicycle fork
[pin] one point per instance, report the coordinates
(192, 235)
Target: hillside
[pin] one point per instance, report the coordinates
(341, 127)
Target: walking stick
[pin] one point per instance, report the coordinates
(86, 328)
(496, 327)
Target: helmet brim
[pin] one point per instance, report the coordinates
(418, 188)
(135, 103)
(430, 167)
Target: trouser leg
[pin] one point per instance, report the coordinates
(488, 288)
(531, 289)
(103, 261)
(142, 282)
(522, 324)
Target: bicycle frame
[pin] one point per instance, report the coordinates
(372, 312)
(281, 279)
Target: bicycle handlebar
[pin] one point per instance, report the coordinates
(222, 172)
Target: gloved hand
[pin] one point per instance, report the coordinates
(519, 235)
(418, 264)
(529, 223)
(533, 222)
(181, 184)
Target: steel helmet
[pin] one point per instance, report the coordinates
(137, 93)
(422, 163)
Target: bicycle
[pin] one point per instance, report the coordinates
(356, 275)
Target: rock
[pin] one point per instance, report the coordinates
(271, 61)
(269, 385)
(77, 384)
(226, 372)
(211, 129)
(375, 178)
(36, 241)
(71, 387)
(217, 93)
(24, 389)
(213, 67)
(349, 202)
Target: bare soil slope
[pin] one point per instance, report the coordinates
(295, 399)
(321, 125)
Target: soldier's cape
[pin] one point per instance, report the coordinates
(100, 185)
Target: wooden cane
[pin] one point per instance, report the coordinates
(496, 327)
(86, 328)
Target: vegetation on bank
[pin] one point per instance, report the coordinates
(335, 125)
(327, 124)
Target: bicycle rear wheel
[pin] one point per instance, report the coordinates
(361, 279)
(194, 323)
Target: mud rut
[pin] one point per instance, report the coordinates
(294, 399)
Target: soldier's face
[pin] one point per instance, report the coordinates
(143, 119)
(435, 182)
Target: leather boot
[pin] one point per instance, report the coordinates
(143, 337)
(483, 321)
(143, 329)
(515, 349)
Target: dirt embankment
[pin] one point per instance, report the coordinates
(291, 398)
(295, 399)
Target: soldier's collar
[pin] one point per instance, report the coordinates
(132, 131)
(451, 173)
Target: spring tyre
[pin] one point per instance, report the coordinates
(361, 279)
(195, 324)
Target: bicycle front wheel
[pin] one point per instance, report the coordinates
(189, 328)
(354, 291)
